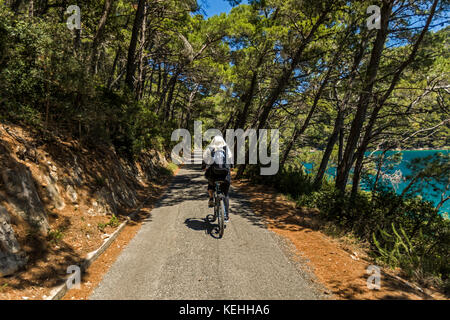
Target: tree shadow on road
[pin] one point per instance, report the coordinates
(262, 206)
(184, 187)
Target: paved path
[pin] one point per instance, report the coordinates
(174, 256)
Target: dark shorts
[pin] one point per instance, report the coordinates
(224, 186)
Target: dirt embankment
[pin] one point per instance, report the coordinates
(59, 201)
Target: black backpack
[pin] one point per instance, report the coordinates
(220, 167)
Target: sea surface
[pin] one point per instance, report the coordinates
(397, 173)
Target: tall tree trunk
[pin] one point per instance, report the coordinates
(77, 41)
(150, 81)
(31, 9)
(357, 170)
(338, 130)
(227, 125)
(284, 78)
(378, 175)
(299, 131)
(247, 98)
(287, 72)
(189, 106)
(162, 88)
(116, 60)
(15, 5)
(131, 61)
(341, 145)
(172, 85)
(158, 90)
(344, 167)
(99, 34)
(380, 104)
(142, 66)
(113, 69)
(168, 88)
(144, 83)
(329, 149)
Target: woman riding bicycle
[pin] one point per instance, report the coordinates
(217, 160)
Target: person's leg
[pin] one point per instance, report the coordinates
(225, 187)
(210, 187)
(210, 192)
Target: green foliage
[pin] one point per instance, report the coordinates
(45, 85)
(398, 250)
(100, 181)
(55, 236)
(419, 244)
(172, 167)
(403, 232)
(113, 223)
(265, 64)
(420, 255)
(430, 173)
(288, 180)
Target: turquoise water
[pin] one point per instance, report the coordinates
(407, 157)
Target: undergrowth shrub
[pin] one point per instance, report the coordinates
(404, 232)
(45, 85)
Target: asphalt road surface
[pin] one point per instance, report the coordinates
(175, 255)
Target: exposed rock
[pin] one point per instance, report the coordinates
(53, 193)
(104, 203)
(95, 182)
(11, 258)
(151, 162)
(54, 175)
(8, 242)
(76, 172)
(124, 194)
(19, 184)
(71, 194)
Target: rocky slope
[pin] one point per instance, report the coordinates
(50, 187)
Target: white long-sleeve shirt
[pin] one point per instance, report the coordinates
(207, 158)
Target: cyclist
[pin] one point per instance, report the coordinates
(217, 160)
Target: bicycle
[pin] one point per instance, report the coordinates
(219, 208)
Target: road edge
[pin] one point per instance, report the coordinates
(58, 292)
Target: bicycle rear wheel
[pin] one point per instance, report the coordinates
(220, 217)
